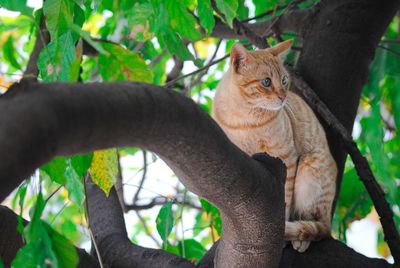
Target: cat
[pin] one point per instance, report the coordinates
(254, 107)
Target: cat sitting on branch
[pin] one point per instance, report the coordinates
(256, 109)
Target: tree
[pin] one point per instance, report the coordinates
(41, 120)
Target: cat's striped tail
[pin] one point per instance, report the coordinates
(306, 230)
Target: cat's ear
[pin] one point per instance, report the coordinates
(239, 56)
(280, 48)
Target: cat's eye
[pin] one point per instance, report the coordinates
(266, 82)
(284, 80)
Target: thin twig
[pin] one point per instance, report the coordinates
(176, 70)
(272, 11)
(201, 74)
(391, 41)
(394, 52)
(158, 58)
(146, 229)
(159, 201)
(96, 248)
(53, 193)
(172, 82)
(135, 198)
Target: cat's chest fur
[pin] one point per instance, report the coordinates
(273, 134)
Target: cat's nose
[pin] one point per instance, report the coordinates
(282, 97)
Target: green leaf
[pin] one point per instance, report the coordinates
(214, 213)
(55, 169)
(56, 59)
(354, 202)
(171, 248)
(395, 99)
(104, 169)
(166, 36)
(81, 163)
(242, 11)
(48, 249)
(191, 249)
(228, 8)
(21, 194)
(86, 36)
(175, 45)
(263, 5)
(59, 16)
(122, 64)
(206, 15)
(74, 186)
(17, 5)
(10, 53)
(139, 21)
(79, 15)
(373, 134)
(181, 21)
(165, 221)
(66, 253)
(75, 69)
(29, 256)
(1, 263)
(200, 224)
(33, 229)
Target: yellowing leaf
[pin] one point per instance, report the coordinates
(104, 169)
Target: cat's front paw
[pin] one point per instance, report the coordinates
(301, 245)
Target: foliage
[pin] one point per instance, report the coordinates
(138, 41)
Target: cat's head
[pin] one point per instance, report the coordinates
(260, 76)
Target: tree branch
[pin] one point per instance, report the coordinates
(327, 253)
(108, 226)
(42, 39)
(78, 118)
(293, 21)
(274, 10)
(160, 200)
(136, 196)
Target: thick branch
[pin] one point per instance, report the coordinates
(65, 119)
(108, 226)
(327, 253)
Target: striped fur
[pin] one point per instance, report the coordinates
(274, 120)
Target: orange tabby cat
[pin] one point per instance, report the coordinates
(255, 108)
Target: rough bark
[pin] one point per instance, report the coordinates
(64, 119)
(327, 253)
